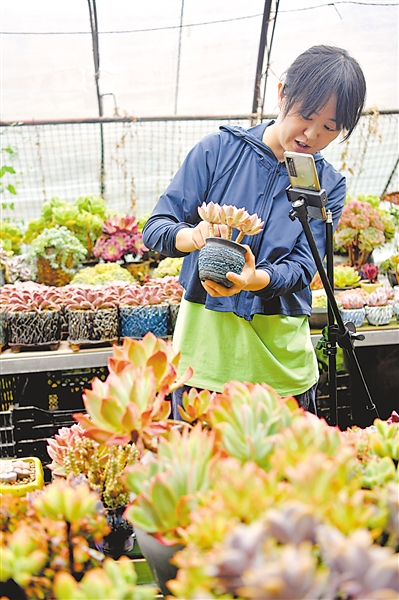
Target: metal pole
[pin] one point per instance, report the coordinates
(261, 54)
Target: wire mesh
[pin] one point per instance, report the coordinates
(130, 163)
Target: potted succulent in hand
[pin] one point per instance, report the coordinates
(379, 310)
(221, 255)
(92, 315)
(57, 252)
(33, 315)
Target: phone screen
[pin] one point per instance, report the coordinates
(302, 170)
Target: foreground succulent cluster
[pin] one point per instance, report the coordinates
(264, 499)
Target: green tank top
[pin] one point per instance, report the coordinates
(221, 347)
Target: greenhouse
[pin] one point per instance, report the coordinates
(199, 300)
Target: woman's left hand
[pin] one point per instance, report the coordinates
(250, 279)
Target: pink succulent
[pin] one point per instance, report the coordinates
(112, 250)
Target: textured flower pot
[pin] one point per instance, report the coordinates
(136, 321)
(218, 257)
(92, 325)
(353, 315)
(158, 558)
(49, 276)
(379, 315)
(3, 330)
(33, 328)
(173, 312)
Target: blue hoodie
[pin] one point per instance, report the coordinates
(233, 166)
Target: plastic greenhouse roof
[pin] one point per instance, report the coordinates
(152, 66)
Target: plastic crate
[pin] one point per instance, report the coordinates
(25, 430)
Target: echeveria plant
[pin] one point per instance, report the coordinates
(233, 217)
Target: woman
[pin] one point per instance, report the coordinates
(257, 330)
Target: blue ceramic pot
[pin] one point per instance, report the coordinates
(136, 321)
(218, 257)
(353, 315)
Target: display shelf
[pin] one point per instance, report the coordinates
(385, 335)
(12, 363)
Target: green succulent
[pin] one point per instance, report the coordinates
(11, 236)
(57, 245)
(101, 274)
(168, 267)
(390, 264)
(345, 276)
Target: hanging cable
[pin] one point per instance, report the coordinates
(178, 56)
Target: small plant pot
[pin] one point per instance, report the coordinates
(218, 257)
(92, 325)
(47, 275)
(158, 558)
(353, 315)
(3, 330)
(393, 277)
(379, 315)
(395, 308)
(136, 321)
(33, 328)
(369, 287)
(319, 318)
(20, 484)
(173, 312)
(120, 540)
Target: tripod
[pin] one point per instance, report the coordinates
(338, 332)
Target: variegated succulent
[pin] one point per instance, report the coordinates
(130, 405)
(30, 297)
(380, 297)
(143, 295)
(232, 217)
(79, 297)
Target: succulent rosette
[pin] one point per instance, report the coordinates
(112, 250)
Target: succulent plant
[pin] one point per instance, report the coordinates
(73, 453)
(57, 245)
(360, 230)
(50, 531)
(143, 295)
(233, 217)
(351, 299)
(130, 405)
(168, 267)
(18, 268)
(170, 286)
(30, 297)
(390, 264)
(120, 237)
(345, 276)
(379, 297)
(84, 218)
(116, 579)
(90, 297)
(369, 271)
(11, 236)
(102, 274)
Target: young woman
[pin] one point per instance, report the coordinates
(257, 330)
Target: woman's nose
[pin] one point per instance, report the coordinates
(311, 131)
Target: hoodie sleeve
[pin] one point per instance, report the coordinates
(178, 205)
(295, 271)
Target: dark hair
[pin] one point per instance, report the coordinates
(320, 73)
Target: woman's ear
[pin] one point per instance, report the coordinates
(281, 96)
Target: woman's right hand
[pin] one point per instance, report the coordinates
(189, 239)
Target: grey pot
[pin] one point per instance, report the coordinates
(218, 257)
(158, 558)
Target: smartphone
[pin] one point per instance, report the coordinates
(302, 172)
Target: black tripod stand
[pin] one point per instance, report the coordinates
(338, 332)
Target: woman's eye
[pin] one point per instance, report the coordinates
(332, 129)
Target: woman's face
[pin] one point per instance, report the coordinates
(297, 133)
